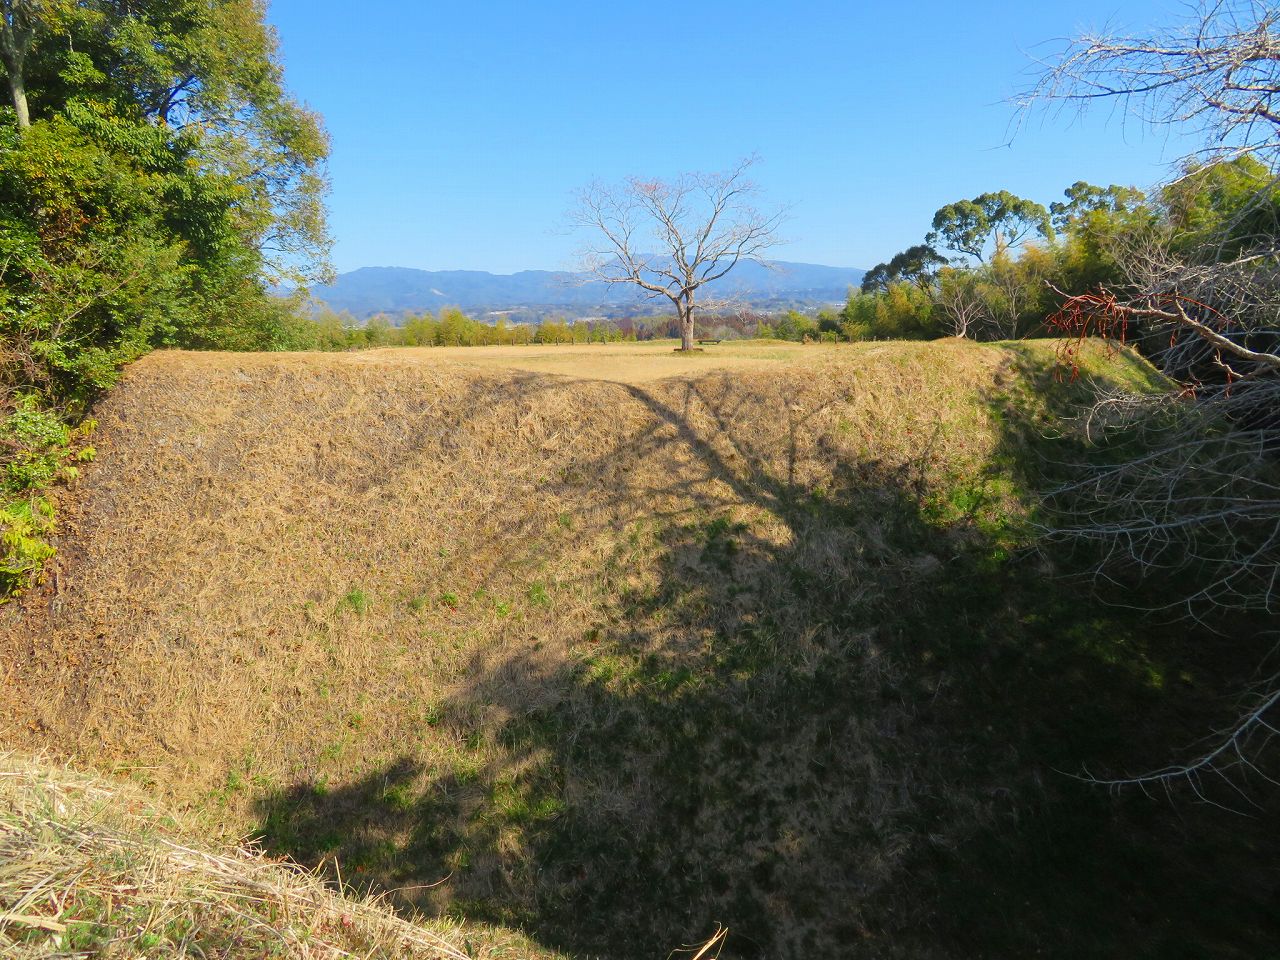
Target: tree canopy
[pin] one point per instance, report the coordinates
(161, 180)
(918, 264)
(971, 227)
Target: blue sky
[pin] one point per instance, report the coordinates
(461, 130)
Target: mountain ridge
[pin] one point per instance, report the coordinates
(368, 291)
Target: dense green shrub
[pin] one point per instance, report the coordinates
(40, 450)
(903, 311)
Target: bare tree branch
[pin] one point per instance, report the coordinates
(1218, 75)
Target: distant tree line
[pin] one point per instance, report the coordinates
(326, 329)
(999, 266)
(450, 327)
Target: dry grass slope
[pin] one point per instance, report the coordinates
(271, 537)
(91, 869)
(590, 650)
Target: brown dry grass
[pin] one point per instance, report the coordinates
(620, 362)
(345, 580)
(88, 868)
(243, 499)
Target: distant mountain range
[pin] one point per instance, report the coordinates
(398, 290)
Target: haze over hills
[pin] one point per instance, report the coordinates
(397, 290)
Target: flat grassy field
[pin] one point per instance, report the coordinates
(606, 646)
(623, 362)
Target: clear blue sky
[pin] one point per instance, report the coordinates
(461, 130)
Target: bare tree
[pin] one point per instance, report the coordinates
(1217, 74)
(961, 301)
(671, 238)
(1202, 497)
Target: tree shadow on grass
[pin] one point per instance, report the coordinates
(836, 715)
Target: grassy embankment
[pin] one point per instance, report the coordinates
(91, 868)
(591, 644)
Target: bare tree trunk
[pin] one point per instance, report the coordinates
(16, 33)
(18, 89)
(686, 326)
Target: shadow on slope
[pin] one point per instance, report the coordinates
(821, 699)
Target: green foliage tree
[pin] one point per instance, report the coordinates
(1083, 200)
(1230, 204)
(419, 331)
(89, 275)
(970, 227)
(183, 103)
(553, 331)
(918, 264)
(1095, 223)
(795, 326)
(19, 21)
(455, 328)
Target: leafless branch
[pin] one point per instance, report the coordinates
(1194, 503)
(1216, 74)
(1231, 751)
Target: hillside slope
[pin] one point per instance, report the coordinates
(616, 661)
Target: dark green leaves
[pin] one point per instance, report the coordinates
(969, 227)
